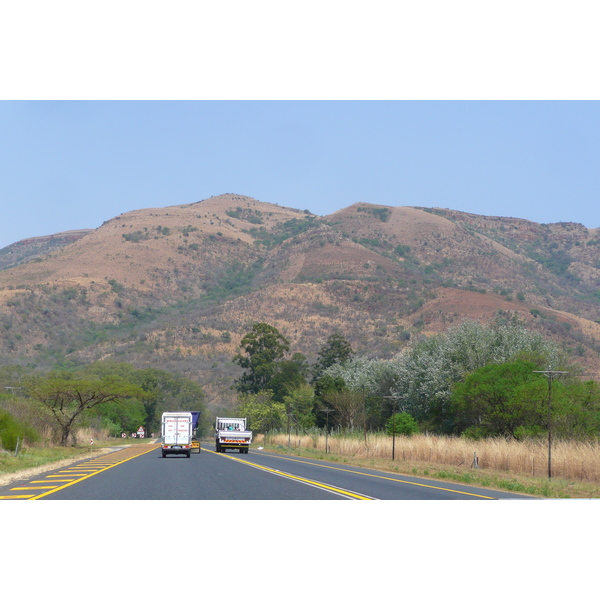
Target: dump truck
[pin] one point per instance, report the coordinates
(195, 440)
(231, 432)
(176, 431)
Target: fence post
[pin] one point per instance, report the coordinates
(475, 464)
(17, 447)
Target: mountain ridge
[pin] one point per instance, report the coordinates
(178, 286)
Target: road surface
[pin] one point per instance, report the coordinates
(140, 473)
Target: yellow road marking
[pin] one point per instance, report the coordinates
(62, 487)
(79, 471)
(312, 482)
(34, 487)
(384, 477)
(16, 497)
(46, 481)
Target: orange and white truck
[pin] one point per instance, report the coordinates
(231, 432)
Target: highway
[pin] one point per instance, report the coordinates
(140, 473)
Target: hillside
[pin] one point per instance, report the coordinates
(36, 247)
(178, 287)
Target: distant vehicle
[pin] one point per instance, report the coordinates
(195, 440)
(176, 429)
(231, 432)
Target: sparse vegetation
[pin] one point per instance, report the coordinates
(510, 465)
(203, 274)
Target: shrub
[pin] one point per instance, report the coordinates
(11, 430)
(402, 424)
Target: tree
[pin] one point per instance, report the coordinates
(264, 347)
(337, 350)
(300, 403)
(349, 407)
(67, 397)
(499, 399)
(163, 391)
(402, 424)
(262, 413)
(166, 391)
(289, 376)
(125, 416)
(425, 373)
(576, 408)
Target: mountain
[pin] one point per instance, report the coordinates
(178, 287)
(36, 247)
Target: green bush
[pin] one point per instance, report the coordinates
(12, 430)
(402, 424)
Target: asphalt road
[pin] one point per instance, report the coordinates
(140, 473)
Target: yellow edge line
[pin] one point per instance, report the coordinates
(310, 481)
(62, 487)
(434, 487)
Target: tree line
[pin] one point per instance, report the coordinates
(110, 396)
(475, 380)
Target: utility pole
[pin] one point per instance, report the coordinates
(289, 430)
(550, 374)
(394, 398)
(327, 411)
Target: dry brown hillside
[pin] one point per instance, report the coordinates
(177, 287)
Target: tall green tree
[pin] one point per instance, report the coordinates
(262, 349)
(337, 350)
(288, 377)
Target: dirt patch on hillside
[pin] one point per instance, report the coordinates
(463, 304)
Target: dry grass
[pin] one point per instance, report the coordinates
(572, 461)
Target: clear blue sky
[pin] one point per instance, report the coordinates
(74, 164)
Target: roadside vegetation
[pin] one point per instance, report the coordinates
(54, 415)
(502, 464)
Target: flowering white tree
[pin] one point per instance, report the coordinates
(425, 373)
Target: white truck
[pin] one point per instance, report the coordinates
(231, 432)
(176, 431)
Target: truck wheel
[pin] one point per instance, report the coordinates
(164, 454)
(189, 454)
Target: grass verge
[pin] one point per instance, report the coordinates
(541, 487)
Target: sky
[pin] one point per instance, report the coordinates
(315, 105)
(74, 164)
